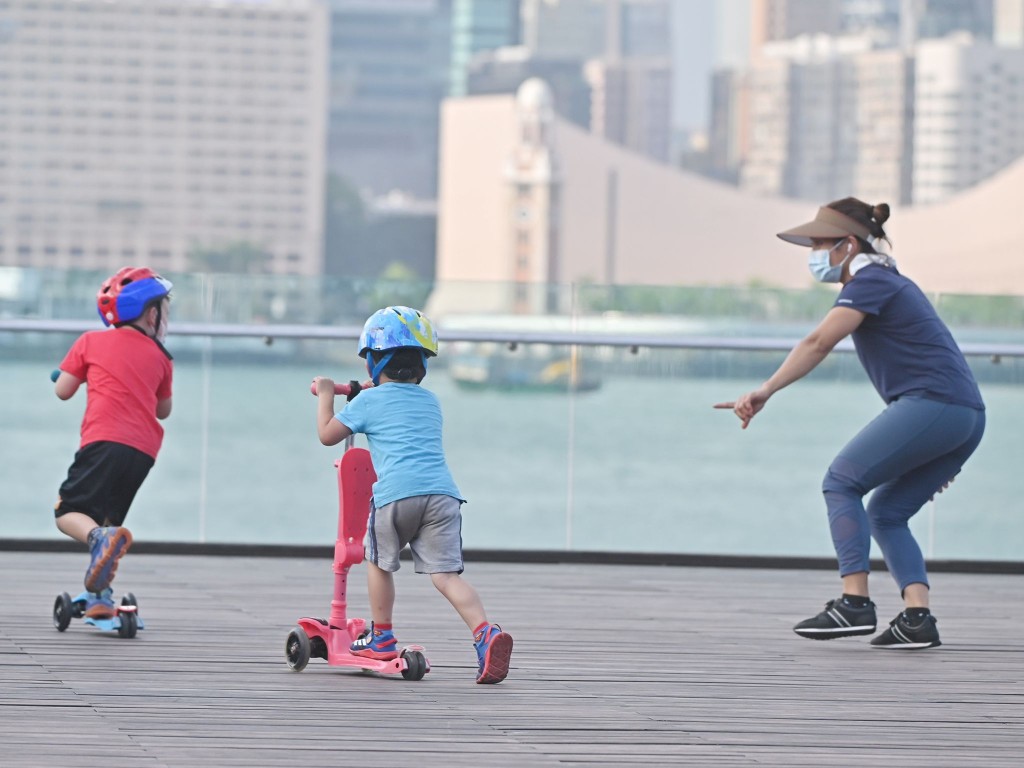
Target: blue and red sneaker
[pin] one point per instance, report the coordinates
(374, 643)
(107, 545)
(100, 606)
(493, 651)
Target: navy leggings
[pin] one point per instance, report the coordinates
(906, 454)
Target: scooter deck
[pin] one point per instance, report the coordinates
(112, 624)
(337, 642)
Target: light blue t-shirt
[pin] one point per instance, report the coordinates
(402, 423)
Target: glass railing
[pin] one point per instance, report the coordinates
(590, 446)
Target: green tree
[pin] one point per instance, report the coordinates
(345, 230)
(234, 258)
(397, 284)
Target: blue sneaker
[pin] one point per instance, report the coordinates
(493, 651)
(108, 545)
(100, 606)
(374, 643)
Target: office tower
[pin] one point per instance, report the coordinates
(564, 29)
(969, 114)
(938, 18)
(477, 26)
(1008, 23)
(729, 122)
(631, 103)
(140, 131)
(389, 70)
(829, 118)
(773, 20)
(503, 70)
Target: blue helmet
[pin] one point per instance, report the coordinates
(123, 297)
(394, 328)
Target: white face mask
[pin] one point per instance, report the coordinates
(819, 262)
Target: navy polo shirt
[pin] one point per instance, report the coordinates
(902, 343)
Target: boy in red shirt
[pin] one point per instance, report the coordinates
(128, 372)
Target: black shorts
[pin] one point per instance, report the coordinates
(102, 482)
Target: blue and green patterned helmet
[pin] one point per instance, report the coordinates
(394, 328)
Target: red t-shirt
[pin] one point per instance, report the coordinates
(126, 373)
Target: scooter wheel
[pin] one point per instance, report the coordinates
(129, 625)
(129, 599)
(416, 665)
(297, 649)
(62, 611)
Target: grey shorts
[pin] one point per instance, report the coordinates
(430, 525)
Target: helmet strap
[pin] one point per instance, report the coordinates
(159, 319)
(379, 367)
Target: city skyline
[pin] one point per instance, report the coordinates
(302, 136)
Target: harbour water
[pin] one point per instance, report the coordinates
(641, 464)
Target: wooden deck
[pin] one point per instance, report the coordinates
(613, 665)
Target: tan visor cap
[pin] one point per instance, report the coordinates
(829, 224)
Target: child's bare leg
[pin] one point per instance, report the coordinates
(462, 596)
(76, 525)
(381, 586)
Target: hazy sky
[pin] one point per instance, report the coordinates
(706, 34)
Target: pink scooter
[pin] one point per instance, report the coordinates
(330, 638)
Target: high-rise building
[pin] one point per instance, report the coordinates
(924, 19)
(829, 118)
(503, 70)
(1008, 23)
(564, 29)
(861, 112)
(631, 103)
(878, 20)
(969, 114)
(773, 20)
(624, 48)
(134, 132)
(885, 22)
(729, 123)
(589, 29)
(644, 29)
(479, 25)
(389, 70)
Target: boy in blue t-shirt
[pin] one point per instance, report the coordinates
(415, 500)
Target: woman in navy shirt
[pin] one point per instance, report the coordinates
(933, 420)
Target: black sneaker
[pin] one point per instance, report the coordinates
(839, 619)
(902, 635)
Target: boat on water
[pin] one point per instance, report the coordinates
(485, 365)
(502, 363)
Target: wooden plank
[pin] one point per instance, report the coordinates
(613, 665)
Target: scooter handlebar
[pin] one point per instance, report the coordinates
(343, 389)
(339, 389)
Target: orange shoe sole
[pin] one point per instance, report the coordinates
(102, 572)
(496, 660)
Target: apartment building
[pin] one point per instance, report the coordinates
(137, 131)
